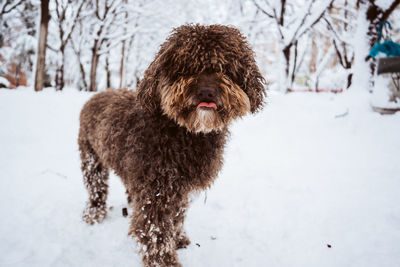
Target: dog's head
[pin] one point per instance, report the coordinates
(203, 77)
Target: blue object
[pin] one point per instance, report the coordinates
(380, 28)
(387, 47)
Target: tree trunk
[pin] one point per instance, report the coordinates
(108, 72)
(93, 67)
(17, 74)
(349, 80)
(41, 51)
(60, 83)
(293, 76)
(83, 75)
(122, 82)
(286, 55)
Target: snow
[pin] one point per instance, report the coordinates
(4, 81)
(383, 4)
(295, 179)
(380, 98)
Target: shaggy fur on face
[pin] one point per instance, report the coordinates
(179, 102)
(167, 139)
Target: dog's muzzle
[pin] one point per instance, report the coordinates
(207, 95)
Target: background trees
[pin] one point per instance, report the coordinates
(292, 22)
(340, 23)
(95, 44)
(65, 16)
(17, 40)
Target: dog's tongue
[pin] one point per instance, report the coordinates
(207, 105)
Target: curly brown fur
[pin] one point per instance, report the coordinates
(167, 139)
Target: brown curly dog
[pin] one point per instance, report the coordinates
(166, 140)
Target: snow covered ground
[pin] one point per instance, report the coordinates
(296, 179)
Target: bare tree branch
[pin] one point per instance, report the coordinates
(4, 9)
(262, 10)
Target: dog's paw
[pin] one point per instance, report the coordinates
(93, 215)
(182, 242)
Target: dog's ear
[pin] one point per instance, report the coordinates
(147, 89)
(254, 87)
(243, 69)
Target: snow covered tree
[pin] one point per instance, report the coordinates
(292, 19)
(375, 12)
(105, 30)
(17, 38)
(340, 23)
(65, 16)
(78, 46)
(8, 9)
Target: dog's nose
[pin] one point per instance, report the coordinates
(206, 93)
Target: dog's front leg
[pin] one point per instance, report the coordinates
(181, 239)
(153, 224)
